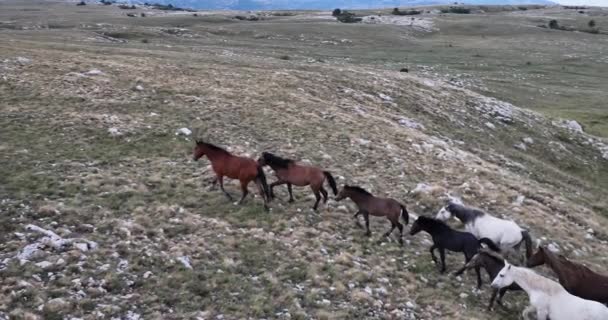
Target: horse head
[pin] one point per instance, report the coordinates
(537, 258)
(444, 214)
(263, 159)
(343, 194)
(199, 150)
(504, 278)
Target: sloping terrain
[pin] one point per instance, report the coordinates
(105, 215)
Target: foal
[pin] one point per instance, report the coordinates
(548, 298)
(445, 237)
(292, 173)
(492, 262)
(576, 278)
(370, 205)
(225, 164)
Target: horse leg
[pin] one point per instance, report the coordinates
(213, 183)
(318, 196)
(244, 190)
(442, 256)
(272, 185)
(366, 217)
(432, 250)
(324, 193)
(478, 272)
(400, 226)
(290, 193)
(357, 222)
(388, 233)
(220, 179)
(492, 298)
(526, 314)
(501, 293)
(262, 194)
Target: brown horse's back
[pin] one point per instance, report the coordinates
(381, 206)
(592, 286)
(302, 175)
(241, 168)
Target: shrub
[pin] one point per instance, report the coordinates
(127, 7)
(145, 41)
(591, 23)
(397, 12)
(522, 8)
(285, 57)
(553, 24)
(337, 12)
(81, 3)
(458, 10)
(347, 17)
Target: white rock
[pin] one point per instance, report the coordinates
(573, 125)
(409, 123)
(139, 88)
(490, 125)
(183, 132)
(410, 305)
(114, 132)
(520, 200)
(521, 146)
(82, 246)
(385, 97)
(591, 231)
(44, 265)
(94, 72)
(464, 295)
(23, 60)
(185, 260)
(553, 247)
(528, 140)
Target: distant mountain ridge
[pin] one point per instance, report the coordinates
(325, 4)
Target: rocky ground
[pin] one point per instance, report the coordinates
(105, 216)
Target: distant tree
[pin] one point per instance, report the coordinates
(591, 23)
(336, 12)
(396, 11)
(81, 3)
(553, 24)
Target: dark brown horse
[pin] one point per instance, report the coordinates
(492, 262)
(575, 278)
(225, 164)
(291, 173)
(380, 207)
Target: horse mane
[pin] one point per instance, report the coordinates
(433, 223)
(358, 190)
(213, 147)
(492, 254)
(459, 208)
(272, 159)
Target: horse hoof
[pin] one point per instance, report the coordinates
(368, 234)
(291, 201)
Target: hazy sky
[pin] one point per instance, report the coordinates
(603, 3)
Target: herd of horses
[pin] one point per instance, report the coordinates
(581, 293)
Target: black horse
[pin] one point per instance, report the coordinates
(445, 237)
(492, 262)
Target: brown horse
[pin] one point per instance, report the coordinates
(225, 164)
(380, 207)
(492, 262)
(291, 173)
(576, 278)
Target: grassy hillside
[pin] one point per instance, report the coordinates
(91, 100)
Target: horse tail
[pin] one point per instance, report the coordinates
(332, 182)
(528, 240)
(261, 178)
(404, 214)
(490, 244)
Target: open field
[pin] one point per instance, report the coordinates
(91, 101)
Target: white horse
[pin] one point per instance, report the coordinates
(504, 233)
(548, 298)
